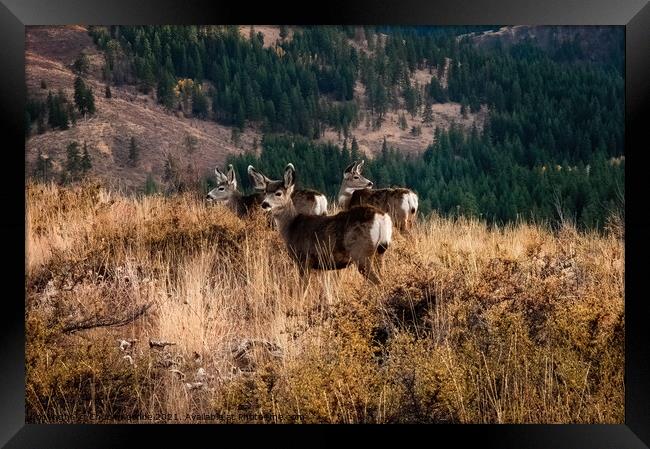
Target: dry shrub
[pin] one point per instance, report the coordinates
(470, 324)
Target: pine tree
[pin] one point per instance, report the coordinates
(463, 108)
(166, 93)
(199, 102)
(81, 64)
(73, 161)
(83, 97)
(384, 150)
(86, 163)
(40, 124)
(134, 152)
(427, 114)
(354, 149)
(436, 92)
(150, 186)
(57, 114)
(284, 32)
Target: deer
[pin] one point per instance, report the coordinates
(360, 235)
(400, 203)
(306, 201)
(226, 193)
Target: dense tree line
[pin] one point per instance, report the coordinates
(559, 111)
(282, 87)
(462, 173)
(558, 108)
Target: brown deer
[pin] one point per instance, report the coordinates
(226, 193)
(306, 201)
(360, 235)
(400, 203)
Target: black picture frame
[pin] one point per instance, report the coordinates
(633, 14)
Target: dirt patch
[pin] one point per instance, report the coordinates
(271, 33)
(370, 140)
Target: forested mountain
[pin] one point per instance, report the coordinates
(528, 133)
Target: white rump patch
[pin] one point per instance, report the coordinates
(406, 203)
(321, 205)
(413, 199)
(381, 231)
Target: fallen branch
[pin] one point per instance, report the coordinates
(160, 344)
(95, 322)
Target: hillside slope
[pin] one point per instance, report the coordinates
(50, 52)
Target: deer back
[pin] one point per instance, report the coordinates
(327, 241)
(309, 202)
(387, 200)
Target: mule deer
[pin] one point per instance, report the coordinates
(226, 193)
(360, 235)
(400, 203)
(306, 201)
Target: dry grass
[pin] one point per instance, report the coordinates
(470, 324)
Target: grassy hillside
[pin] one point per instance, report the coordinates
(471, 324)
(50, 54)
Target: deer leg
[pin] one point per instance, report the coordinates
(408, 226)
(305, 277)
(367, 270)
(378, 264)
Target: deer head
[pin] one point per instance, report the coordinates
(278, 193)
(352, 178)
(226, 185)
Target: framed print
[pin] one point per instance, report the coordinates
(416, 213)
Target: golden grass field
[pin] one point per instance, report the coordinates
(471, 324)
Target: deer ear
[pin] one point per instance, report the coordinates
(289, 176)
(220, 176)
(359, 166)
(350, 168)
(258, 180)
(231, 176)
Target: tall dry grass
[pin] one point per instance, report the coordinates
(470, 325)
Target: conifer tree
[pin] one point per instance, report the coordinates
(150, 186)
(73, 161)
(85, 163)
(427, 114)
(134, 152)
(83, 97)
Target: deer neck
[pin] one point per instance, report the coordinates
(284, 216)
(345, 195)
(235, 200)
